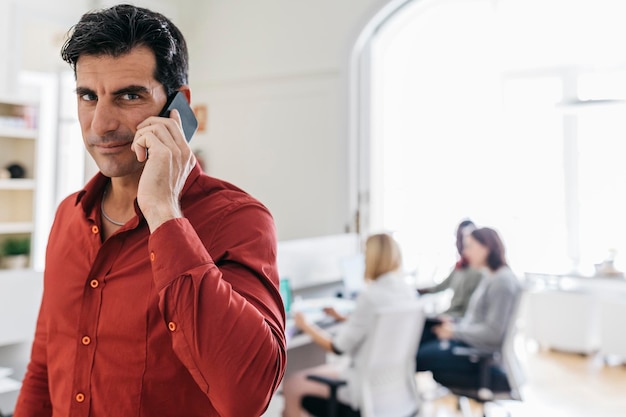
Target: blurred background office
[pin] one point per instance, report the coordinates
(352, 117)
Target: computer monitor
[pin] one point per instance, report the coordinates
(353, 271)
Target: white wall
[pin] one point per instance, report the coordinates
(274, 75)
(33, 31)
(31, 35)
(4, 46)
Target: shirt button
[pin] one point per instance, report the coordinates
(152, 256)
(86, 340)
(80, 397)
(94, 230)
(172, 326)
(94, 283)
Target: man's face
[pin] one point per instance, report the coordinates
(115, 94)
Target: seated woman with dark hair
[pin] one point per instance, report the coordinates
(463, 279)
(487, 319)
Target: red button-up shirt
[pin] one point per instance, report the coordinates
(187, 321)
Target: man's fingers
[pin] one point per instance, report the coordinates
(142, 143)
(141, 151)
(174, 114)
(177, 130)
(170, 128)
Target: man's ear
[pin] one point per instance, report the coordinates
(186, 91)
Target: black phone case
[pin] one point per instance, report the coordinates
(178, 101)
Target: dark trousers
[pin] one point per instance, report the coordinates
(318, 407)
(427, 333)
(448, 369)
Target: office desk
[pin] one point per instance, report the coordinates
(302, 352)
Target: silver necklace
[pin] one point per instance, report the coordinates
(105, 215)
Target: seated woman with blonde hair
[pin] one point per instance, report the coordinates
(387, 287)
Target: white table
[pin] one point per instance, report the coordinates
(577, 313)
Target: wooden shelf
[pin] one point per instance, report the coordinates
(17, 133)
(16, 228)
(17, 184)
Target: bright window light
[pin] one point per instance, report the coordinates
(471, 118)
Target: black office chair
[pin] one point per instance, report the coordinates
(333, 408)
(500, 373)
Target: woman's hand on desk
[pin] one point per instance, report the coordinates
(318, 336)
(330, 311)
(301, 322)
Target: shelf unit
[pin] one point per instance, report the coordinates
(18, 145)
(18, 132)
(16, 228)
(29, 136)
(17, 184)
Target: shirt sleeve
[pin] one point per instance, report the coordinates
(34, 398)
(225, 315)
(355, 329)
(443, 285)
(465, 283)
(489, 333)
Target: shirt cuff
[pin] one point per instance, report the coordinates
(335, 350)
(175, 248)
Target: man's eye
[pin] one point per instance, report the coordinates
(130, 96)
(88, 97)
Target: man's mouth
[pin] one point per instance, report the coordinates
(113, 147)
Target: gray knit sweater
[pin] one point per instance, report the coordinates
(489, 312)
(463, 282)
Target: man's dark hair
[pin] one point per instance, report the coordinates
(490, 239)
(117, 30)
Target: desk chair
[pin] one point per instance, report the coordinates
(501, 374)
(388, 387)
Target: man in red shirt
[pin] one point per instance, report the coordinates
(161, 289)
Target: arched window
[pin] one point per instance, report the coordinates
(508, 112)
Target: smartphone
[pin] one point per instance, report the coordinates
(179, 102)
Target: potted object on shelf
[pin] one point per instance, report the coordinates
(16, 170)
(15, 253)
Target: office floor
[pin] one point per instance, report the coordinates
(559, 385)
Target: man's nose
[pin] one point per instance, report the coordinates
(105, 118)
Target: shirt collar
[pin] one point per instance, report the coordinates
(92, 192)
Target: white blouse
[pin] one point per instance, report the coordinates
(388, 290)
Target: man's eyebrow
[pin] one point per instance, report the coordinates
(81, 91)
(131, 89)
